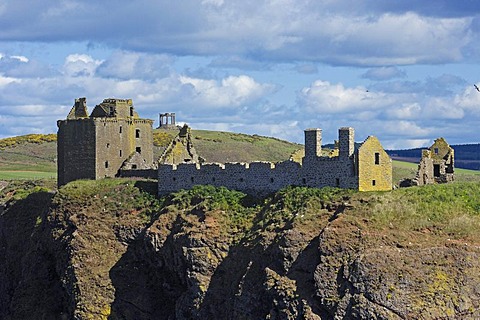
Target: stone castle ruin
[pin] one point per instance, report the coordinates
(368, 168)
(113, 141)
(436, 165)
(99, 145)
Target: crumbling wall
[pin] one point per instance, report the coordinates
(265, 177)
(180, 149)
(436, 165)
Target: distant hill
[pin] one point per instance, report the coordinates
(467, 156)
(34, 156)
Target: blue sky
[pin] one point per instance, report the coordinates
(401, 70)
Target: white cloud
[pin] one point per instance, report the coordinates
(80, 65)
(233, 91)
(406, 111)
(7, 80)
(324, 97)
(20, 58)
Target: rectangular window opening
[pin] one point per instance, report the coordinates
(374, 182)
(120, 153)
(106, 164)
(377, 158)
(120, 129)
(138, 149)
(137, 133)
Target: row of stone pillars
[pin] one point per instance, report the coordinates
(167, 120)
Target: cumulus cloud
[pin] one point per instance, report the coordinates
(80, 65)
(233, 91)
(324, 97)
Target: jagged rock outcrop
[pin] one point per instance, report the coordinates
(107, 250)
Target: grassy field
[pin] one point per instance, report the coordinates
(28, 175)
(215, 146)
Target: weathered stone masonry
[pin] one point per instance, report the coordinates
(97, 146)
(368, 168)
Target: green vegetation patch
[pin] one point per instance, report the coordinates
(299, 205)
(215, 146)
(452, 209)
(111, 196)
(26, 175)
(236, 209)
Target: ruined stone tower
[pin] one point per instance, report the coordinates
(97, 146)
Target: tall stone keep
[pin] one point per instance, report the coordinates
(97, 146)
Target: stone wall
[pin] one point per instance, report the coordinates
(75, 150)
(118, 140)
(260, 178)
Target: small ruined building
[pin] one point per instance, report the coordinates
(436, 165)
(112, 138)
(369, 168)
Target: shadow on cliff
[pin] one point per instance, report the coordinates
(248, 282)
(144, 288)
(27, 261)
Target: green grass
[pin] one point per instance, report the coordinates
(36, 157)
(451, 209)
(216, 146)
(28, 175)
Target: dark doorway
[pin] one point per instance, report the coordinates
(436, 170)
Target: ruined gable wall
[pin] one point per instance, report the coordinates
(75, 150)
(374, 167)
(440, 149)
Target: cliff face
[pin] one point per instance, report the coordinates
(107, 249)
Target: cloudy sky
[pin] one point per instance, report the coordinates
(402, 70)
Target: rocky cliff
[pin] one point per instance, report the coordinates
(110, 250)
